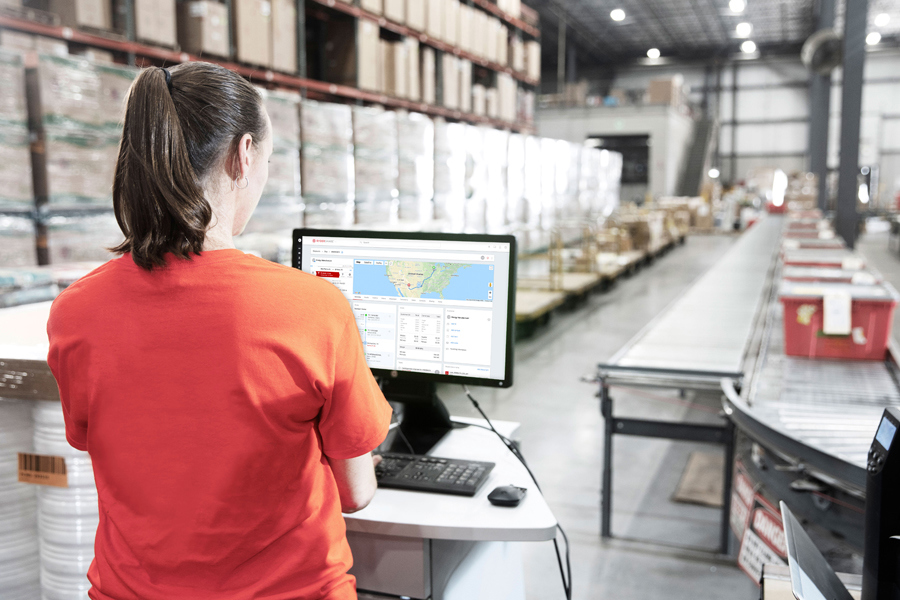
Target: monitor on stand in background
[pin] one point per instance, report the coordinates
(431, 308)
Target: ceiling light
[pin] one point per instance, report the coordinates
(882, 20)
(873, 38)
(617, 14)
(653, 53)
(737, 6)
(748, 47)
(743, 29)
(714, 173)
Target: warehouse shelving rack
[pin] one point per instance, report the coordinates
(141, 54)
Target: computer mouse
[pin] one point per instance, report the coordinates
(506, 495)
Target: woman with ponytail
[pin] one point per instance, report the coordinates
(224, 400)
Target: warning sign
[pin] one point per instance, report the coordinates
(741, 500)
(763, 540)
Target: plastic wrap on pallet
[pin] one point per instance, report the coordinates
(476, 179)
(516, 209)
(18, 244)
(376, 164)
(269, 232)
(81, 163)
(565, 156)
(534, 176)
(115, 81)
(415, 141)
(327, 164)
(284, 113)
(69, 91)
(12, 92)
(450, 174)
(589, 181)
(612, 162)
(548, 183)
(74, 237)
(16, 189)
(496, 153)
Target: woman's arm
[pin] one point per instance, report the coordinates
(355, 479)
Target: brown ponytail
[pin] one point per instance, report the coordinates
(173, 139)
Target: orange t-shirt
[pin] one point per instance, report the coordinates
(209, 394)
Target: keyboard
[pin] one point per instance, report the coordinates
(431, 474)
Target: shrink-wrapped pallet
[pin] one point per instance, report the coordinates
(12, 92)
(476, 179)
(283, 186)
(548, 183)
(415, 136)
(81, 163)
(78, 237)
(516, 208)
(534, 177)
(375, 160)
(15, 167)
(450, 174)
(18, 245)
(327, 164)
(496, 153)
(268, 234)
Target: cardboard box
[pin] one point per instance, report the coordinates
(368, 56)
(491, 35)
(414, 85)
(666, 91)
(479, 105)
(83, 13)
(253, 31)
(493, 103)
(284, 36)
(465, 28)
(96, 56)
(203, 28)
(465, 86)
(428, 78)
(533, 59)
(517, 54)
(479, 30)
(450, 77)
(503, 46)
(395, 69)
(395, 10)
(451, 22)
(373, 6)
(154, 22)
(23, 42)
(415, 14)
(434, 18)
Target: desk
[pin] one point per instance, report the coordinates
(451, 547)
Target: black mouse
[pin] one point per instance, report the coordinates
(506, 495)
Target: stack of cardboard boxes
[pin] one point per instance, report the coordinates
(415, 137)
(375, 158)
(327, 163)
(450, 174)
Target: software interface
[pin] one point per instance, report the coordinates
(426, 306)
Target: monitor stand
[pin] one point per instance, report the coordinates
(425, 418)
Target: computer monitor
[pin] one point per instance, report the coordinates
(430, 307)
(812, 578)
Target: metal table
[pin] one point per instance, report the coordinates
(701, 338)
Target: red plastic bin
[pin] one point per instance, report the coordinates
(799, 243)
(828, 275)
(824, 257)
(872, 313)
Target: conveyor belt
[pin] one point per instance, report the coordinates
(705, 333)
(821, 413)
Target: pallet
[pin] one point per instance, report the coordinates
(531, 305)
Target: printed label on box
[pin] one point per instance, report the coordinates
(197, 9)
(40, 469)
(836, 313)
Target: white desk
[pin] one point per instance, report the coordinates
(451, 547)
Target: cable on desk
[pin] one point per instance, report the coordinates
(564, 573)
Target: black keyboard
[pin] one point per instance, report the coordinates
(432, 474)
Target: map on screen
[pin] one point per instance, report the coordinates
(412, 279)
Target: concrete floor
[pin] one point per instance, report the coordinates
(562, 439)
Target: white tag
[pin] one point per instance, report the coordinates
(197, 9)
(836, 315)
(791, 244)
(826, 234)
(852, 263)
(265, 8)
(863, 278)
(859, 336)
(822, 225)
(216, 21)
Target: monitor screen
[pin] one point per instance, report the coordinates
(428, 306)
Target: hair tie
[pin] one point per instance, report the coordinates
(168, 79)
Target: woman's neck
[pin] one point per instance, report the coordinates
(219, 236)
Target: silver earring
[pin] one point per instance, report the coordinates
(242, 187)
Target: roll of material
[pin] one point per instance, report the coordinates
(67, 518)
(19, 560)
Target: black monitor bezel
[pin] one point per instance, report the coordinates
(507, 381)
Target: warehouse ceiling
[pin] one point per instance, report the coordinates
(686, 29)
